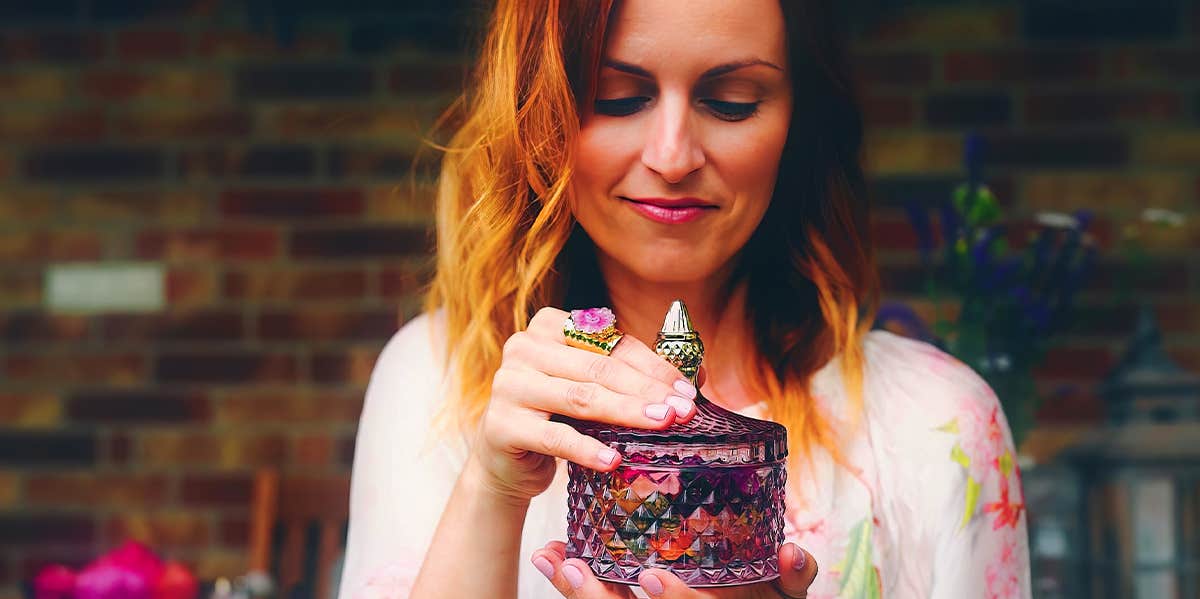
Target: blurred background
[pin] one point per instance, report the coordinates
(210, 223)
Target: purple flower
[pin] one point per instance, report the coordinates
(106, 580)
(593, 320)
(55, 581)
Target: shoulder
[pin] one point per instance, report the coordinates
(411, 362)
(908, 374)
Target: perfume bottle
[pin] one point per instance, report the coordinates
(702, 499)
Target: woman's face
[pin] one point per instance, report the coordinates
(692, 111)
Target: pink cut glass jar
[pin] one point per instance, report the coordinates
(703, 499)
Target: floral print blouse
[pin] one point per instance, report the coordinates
(930, 506)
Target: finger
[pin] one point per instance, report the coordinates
(574, 579)
(574, 364)
(557, 547)
(797, 570)
(658, 582)
(580, 400)
(635, 353)
(551, 438)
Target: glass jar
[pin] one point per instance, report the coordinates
(702, 499)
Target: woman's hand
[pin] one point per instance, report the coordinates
(541, 375)
(575, 580)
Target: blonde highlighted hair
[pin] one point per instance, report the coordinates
(508, 245)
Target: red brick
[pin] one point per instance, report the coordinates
(889, 110)
(1172, 64)
(329, 409)
(94, 489)
(189, 288)
(406, 202)
(241, 44)
(404, 280)
(225, 367)
(362, 242)
(34, 326)
(314, 450)
(161, 530)
(349, 367)
(259, 161)
(146, 44)
(1118, 192)
(29, 410)
(136, 406)
(424, 78)
(234, 531)
(40, 124)
(1021, 65)
(46, 529)
(295, 285)
(170, 448)
(1110, 275)
(94, 163)
(1070, 403)
(1076, 362)
(205, 245)
(384, 123)
(56, 46)
(203, 325)
(375, 162)
(217, 489)
(891, 231)
(325, 324)
(48, 85)
(1103, 107)
(38, 448)
(119, 449)
(177, 84)
(26, 206)
(58, 245)
(944, 25)
(182, 123)
(346, 451)
(292, 203)
(177, 206)
(906, 69)
(20, 288)
(92, 369)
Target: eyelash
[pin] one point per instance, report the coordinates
(726, 111)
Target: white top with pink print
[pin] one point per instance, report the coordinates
(932, 507)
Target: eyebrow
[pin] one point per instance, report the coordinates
(712, 73)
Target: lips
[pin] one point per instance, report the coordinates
(670, 211)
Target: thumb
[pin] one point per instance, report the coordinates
(797, 570)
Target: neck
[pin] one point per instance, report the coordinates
(640, 306)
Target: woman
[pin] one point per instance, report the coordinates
(625, 155)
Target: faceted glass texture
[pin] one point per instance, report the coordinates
(711, 526)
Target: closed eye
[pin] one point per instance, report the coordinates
(728, 111)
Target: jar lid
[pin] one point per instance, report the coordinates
(714, 435)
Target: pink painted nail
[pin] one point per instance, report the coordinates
(682, 406)
(801, 559)
(652, 584)
(544, 566)
(657, 411)
(686, 389)
(573, 575)
(607, 455)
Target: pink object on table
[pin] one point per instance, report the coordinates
(176, 582)
(137, 558)
(109, 580)
(55, 581)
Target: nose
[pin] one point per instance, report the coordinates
(672, 149)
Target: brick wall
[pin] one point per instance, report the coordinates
(264, 160)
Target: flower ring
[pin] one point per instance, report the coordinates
(593, 329)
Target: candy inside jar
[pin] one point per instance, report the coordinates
(702, 499)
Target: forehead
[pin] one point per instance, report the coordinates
(681, 34)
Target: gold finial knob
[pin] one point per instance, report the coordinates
(679, 342)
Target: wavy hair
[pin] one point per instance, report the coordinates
(507, 243)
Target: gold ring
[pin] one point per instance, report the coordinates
(593, 329)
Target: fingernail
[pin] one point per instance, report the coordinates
(573, 575)
(801, 559)
(682, 406)
(652, 584)
(607, 455)
(657, 411)
(685, 389)
(544, 566)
